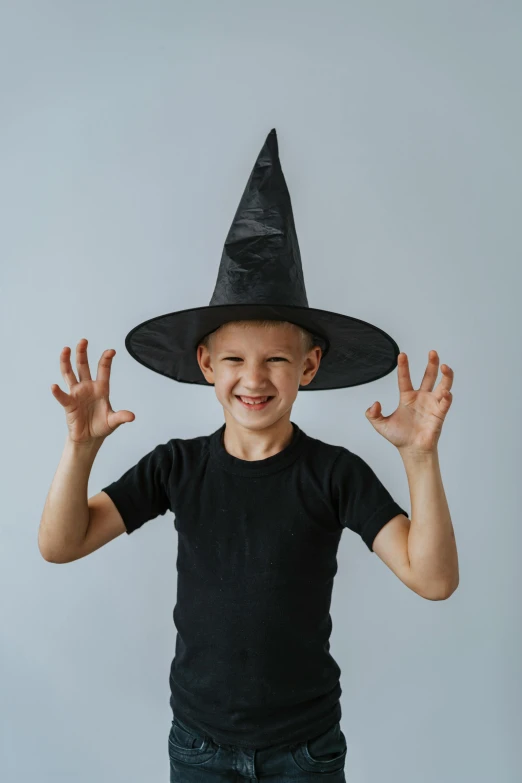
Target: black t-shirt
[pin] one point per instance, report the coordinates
(257, 556)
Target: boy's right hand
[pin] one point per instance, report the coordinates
(88, 411)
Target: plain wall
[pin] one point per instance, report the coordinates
(128, 131)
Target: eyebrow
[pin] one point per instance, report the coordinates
(272, 350)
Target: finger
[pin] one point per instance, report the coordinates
(446, 381)
(403, 373)
(115, 418)
(446, 399)
(375, 411)
(82, 364)
(63, 398)
(447, 377)
(104, 365)
(432, 370)
(65, 367)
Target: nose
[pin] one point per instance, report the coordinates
(254, 379)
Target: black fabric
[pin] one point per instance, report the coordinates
(261, 260)
(257, 556)
(260, 276)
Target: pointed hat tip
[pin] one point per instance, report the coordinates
(272, 142)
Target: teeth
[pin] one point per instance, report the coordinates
(253, 402)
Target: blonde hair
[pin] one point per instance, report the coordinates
(307, 338)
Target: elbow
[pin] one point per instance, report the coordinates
(451, 590)
(48, 555)
(442, 592)
(43, 552)
(49, 558)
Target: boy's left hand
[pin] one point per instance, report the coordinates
(417, 423)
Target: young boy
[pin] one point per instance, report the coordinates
(259, 508)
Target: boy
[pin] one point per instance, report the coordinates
(259, 509)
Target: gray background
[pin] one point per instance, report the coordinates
(128, 131)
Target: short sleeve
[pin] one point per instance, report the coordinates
(361, 500)
(142, 492)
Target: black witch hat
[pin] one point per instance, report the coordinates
(261, 277)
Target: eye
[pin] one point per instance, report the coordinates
(276, 358)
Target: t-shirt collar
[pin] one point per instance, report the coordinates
(258, 467)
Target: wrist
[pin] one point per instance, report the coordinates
(415, 455)
(86, 448)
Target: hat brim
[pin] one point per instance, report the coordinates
(356, 352)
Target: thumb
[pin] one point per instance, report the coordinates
(115, 418)
(374, 413)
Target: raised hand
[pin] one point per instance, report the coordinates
(88, 412)
(416, 424)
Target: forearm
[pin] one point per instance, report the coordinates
(432, 548)
(66, 512)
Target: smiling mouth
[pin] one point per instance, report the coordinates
(254, 402)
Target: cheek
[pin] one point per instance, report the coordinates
(224, 381)
(286, 377)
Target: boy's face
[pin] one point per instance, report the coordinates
(257, 362)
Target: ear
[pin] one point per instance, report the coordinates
(313, 360)
(205, 363)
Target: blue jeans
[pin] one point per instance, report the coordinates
(196, 758)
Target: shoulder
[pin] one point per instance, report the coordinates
(336, 465)
(328, 453)
(189, 445)
(188, 452)
(326, 460)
